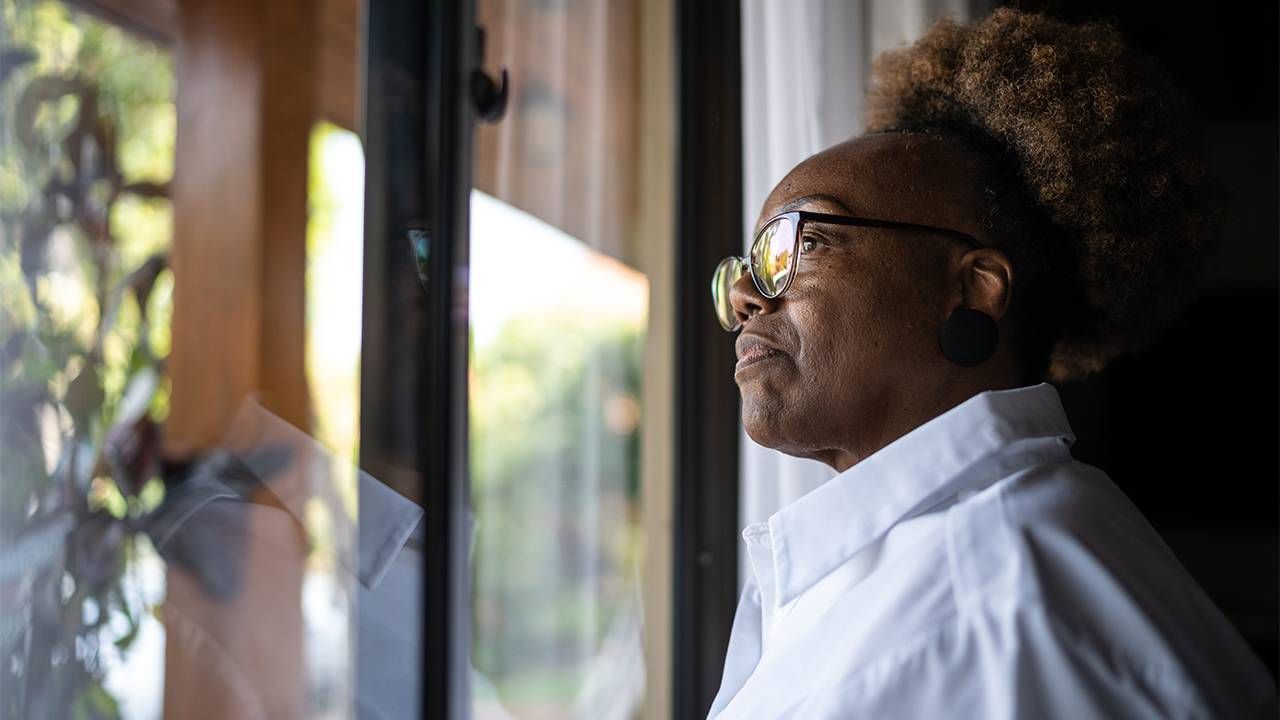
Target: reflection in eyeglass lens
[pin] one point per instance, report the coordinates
(772, 255)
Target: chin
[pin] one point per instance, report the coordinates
(760, 435)
(771, 422)
(776, 438)
(764, 423)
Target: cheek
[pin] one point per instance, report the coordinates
(859, 325)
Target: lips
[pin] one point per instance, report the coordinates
(753, 349)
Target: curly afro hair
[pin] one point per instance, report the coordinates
(1094, 187)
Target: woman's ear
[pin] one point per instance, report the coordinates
(987, 281)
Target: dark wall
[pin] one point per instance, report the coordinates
(1189, 428)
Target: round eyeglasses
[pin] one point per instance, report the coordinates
(776, 249)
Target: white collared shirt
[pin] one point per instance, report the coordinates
(973, 569)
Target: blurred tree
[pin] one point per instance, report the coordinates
(555, 478)
(87, 149)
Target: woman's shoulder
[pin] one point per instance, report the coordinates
(1065, 540)
(1076, 500)
(1067, 529)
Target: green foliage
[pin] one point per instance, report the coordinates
(555, 481)
(86, 147)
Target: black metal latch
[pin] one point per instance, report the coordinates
(490, 97)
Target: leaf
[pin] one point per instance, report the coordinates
(34, 246)
(143, 279)
(85, 395)
(11, 60)
(39, 91)
(19, 403)
(91, 145)
(124, 642)
(94, 552)
(134, 619)
(138, 392)
(95, 703)
(37, 549)
(147, 190)
(85, 465)
(11, 349)
(134, 453)
(23, 459)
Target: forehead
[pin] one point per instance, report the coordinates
(890, 176)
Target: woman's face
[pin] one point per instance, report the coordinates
(856, 359)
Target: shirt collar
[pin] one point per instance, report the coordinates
(984, 438)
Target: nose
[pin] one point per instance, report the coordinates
(747, 300)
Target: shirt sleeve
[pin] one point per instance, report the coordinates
(1020, 664)
(1034, 666)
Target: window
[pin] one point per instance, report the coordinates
(87, 132)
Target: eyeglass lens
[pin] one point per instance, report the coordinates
(727, 273)
(772, 259)
(773, 255)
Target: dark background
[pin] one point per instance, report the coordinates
(1189, 428)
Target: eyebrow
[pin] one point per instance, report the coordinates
(802, 201)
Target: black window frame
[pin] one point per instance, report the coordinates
(417, 128)
(417, 61)
(709, 227)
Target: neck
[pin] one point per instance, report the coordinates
(907, 411)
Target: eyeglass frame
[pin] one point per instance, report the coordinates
(799, 217)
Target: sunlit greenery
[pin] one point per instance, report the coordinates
(334, 260)
(134, 84)
(86, 147)
(555, 477)
(554, 396)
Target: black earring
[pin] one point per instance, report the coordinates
(969, 337)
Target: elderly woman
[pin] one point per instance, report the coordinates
(1025, 205)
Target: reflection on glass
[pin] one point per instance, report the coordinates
(231, 583)
(86, 150)
(334, 257)
(771, 255)
(558, 316)
(335, 197)
(555, 380)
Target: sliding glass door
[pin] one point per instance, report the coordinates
(513, 222)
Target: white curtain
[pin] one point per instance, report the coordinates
(805, 66)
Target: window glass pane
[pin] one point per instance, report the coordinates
(220, 565)
(86, 152)
(559, 312)
(183, 528)
(330, 599)
(555, 411)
